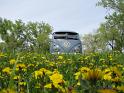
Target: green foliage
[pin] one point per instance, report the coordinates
(27, 72)
(112, 31)
(93, 43)
(18, 36)
(117, 5)
(110, 34)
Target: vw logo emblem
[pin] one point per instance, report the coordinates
(66, 44)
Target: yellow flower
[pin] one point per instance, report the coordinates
(31, 65)
(116, 74)
(56, 78)
(22, 83)
(107, 74)
(37, 85)
(119, 65)
(84, 69)
(78, 83)
(16, 77)
(106, 91)
(110, 57)
(12, 61)
(60, 57)
(8, 91)
(107, 71)
(48, 85)
(120, 88)
(1, 54)
(112, 74)
(55, 71)
(94, 75)
(21, 66)
(38, 74)
(51, 64)
(7, 70)
(45, 71)
(77, 75)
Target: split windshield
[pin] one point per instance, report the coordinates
(66, 35)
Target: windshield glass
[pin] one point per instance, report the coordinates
(66, 35)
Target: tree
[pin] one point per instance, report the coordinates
(113, 29)
(38, 36)
(93, 43)
(19, 36)
(116, 5)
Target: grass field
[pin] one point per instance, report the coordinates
(62, 73)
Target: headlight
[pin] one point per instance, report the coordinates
(77, 49)
(56, 48)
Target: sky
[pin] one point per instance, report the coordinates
(82, 16)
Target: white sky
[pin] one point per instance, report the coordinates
(76, 15)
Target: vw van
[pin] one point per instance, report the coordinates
(65, 42)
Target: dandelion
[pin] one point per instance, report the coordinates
(51, 64)
(53, 85)
(37, 85)
(84, 69)
(45, 71)
(110, 57)
(16, 77)
(56, 78)
(41, 72)
(1, 54)
(116, 74)
(93, 75)
(30, 65)
(8, 91)
(57, 81)
(21, 66)
(7, 70)
(22, 83)
(106, 91)
(112, 74)
(38, 74)
(60, 57)
(107, 74)
(120, 88)
(12, 61)
(55, 71)
(48, 85)
(119, 65)
(77, 75)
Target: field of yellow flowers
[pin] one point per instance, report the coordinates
(61, 73)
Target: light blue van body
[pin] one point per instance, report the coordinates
(65, 42)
